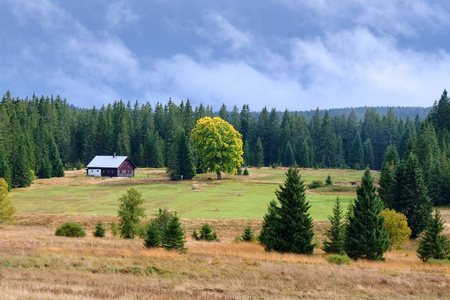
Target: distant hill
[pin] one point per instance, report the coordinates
(399, 112)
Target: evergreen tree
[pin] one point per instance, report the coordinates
(289, 157)
(305, 158)
(336, 232)
(99, 230)
(356, 158)
(259, 154)
(386, 189)
(289, 228)
(186, 158)
(20, 165)
(247, 154)
(369, 159)
(55, 160)
(174, 235)
(223, 113)
(365, 236)
(433, 243)
(411, 197)
(5, 171)
(153, 236)
(327, 143)
(247, 236)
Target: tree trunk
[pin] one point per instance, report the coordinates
(219, 176)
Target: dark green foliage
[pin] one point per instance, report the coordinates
(365, 237)
(259, 154)
(152, 236)
(356, 153)
(46, 168)
(20, 164)
(55, 160)
(247, 235)
(328, 181)
(130, 213)
(335, 235)
(70, 229)
(315, 184)
(5, 171)
(369, 159)
(181, 163)
(289, 228)
(246, 173)
(174, 235)
(433, 243)
(289, 157)
(207, 234)
(411, 198)
(99, 230)
(195, 235)
(386, 189)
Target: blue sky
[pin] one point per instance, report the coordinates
(295, 54)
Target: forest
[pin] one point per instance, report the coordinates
(42, 136)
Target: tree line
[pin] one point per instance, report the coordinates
(47, 134)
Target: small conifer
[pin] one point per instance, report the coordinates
(99, 230)
(247, 236)
(174, 235)
(153, 236)
(336, 233)
(433, 243)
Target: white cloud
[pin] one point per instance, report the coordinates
(119, 14)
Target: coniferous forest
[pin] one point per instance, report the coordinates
(42, 136)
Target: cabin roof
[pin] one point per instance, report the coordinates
(101, 161)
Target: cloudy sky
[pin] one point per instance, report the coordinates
(295, 54)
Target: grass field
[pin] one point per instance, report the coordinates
(233, 197)
(35, 264)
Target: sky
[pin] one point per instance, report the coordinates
(284, 54)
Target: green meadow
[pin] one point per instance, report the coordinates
(235, 197)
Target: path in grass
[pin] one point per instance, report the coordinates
(233, 197)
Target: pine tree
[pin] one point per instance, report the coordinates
(289, 228)
(336, 233)
(174, 235)
(99, 230)
(247, 154)
(153, 236)
(46, 168)
(369, 159)
(356, 158)
(411, 197)
(20, 165)
(365, 236)
(386, 189)
(433, 243)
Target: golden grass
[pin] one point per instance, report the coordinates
(35, 264)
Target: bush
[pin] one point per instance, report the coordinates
(246, 171)
(239, 171)
(206, 233)
(70, 230)
(396, 225)
(315, 184)
(99, 230)
(328, 181)
(195, 235)
(338, 259)
(114, 229)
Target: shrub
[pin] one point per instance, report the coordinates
(99, 230)
(239, 171)
(315, 184)
(247, 236)
(70, 229)
(114, 229)
(338, 259)
(328, 181)
(206, 233)
(195, 235)
(396, 225)
(246, 171)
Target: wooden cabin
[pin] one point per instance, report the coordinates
(111, 166)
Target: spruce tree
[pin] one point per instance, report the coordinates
(356, 153)
(174, 235)
(259, 154)
(20, 164)
(153, 236)
(336, 232)
(289, 157)
(289, 228)
(386, 189)
(411, 197)
(186, 158)
(46, 168)
(247, 235)
(5, 171)
(99, 230)
(365, 236)
(433, 243)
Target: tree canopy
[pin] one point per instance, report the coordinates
(218, 146)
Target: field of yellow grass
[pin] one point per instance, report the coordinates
(35, 264)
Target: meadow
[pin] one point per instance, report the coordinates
(35, 264)
(243, 197)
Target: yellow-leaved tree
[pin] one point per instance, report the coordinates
(218, 146)
(396, 225)
(7, 209)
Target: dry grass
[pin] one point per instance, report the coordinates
(35, 264)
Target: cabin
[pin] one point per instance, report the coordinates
(111, 166)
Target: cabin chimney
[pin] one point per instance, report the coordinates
(114, 155)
